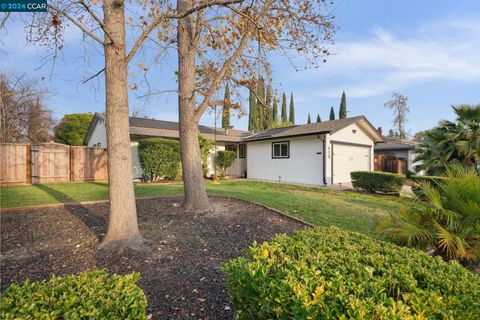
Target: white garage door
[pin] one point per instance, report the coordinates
(348, 158)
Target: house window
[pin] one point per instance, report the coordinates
(231, 147)
(241, 151)
(280, 150)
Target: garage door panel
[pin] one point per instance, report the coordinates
(348, 158)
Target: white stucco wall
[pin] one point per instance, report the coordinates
(136, 166)
(304, 165)
(99, 135)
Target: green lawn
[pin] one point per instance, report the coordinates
(348, 210)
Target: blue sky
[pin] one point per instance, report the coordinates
(428, 50)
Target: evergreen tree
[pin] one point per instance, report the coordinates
(390, 133)
(342, 114)
(332, 114)
(284, 109)
(309, 120)
(252, 114)
(292, 110)
(275, 111)
(268, 118)
(261, 104)
(318, 118)
(226, 108)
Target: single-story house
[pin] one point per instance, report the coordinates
(395, 155)
(316, 154)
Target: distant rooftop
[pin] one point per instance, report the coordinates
(395, 144)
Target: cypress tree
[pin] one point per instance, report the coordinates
(275, 111)
(261, 104)
(318, 118)
(226, 108)
(309, 120)
(292, 110)
(342, 114)
(284, 109)
(252, 114)
(332, 114)
(268, 119)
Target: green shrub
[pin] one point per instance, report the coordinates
(90, 295)
(160, 158)
(206, 147)
(434, 180)
(377, 181)
(327, 273)
(224, 160)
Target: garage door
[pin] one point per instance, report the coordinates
(348, 158)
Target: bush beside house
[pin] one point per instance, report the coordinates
(373, 181)
(160, 158)
(90, 295)
(224, 160)
(327, 273)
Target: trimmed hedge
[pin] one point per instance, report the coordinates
(327, 273)
(377, 181)
(160, 158)
(90, 295)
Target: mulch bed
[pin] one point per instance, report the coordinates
(181, 275)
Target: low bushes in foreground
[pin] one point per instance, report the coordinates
(327, 273)
(373, 181)
(90, 295)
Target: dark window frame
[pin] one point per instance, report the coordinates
(228, 147)
(280, 143)
(240, 147)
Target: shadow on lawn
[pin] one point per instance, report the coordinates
(94, 221)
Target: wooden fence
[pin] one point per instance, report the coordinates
(51, 162)
(389, 163)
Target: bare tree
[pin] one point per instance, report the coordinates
(231, 43)
(109, 31)
(24, 117)
(399, 104)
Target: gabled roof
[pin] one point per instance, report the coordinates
(392, 144)
(143, 127)
(331, 126)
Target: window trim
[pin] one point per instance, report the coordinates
(228, 147)
(288, 149)
(240, 147)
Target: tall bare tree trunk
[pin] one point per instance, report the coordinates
(195, 194)
(123, 227)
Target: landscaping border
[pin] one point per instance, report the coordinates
(81, 203)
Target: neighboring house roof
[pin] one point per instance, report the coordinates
(331, 127)
(392, 144)
(142, 127)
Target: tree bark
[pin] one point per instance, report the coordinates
(196, 198)
(123, 226)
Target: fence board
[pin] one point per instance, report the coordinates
(51, 162)
(14, 163)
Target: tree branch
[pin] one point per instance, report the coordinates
(95, 75)
(223, 70)
(97, 18)
(78, 24)
(205, 4)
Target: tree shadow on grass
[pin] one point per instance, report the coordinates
(94, 221)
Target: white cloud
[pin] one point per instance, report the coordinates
(384, 62)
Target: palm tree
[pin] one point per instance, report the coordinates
(449, 142)
(468, 136)
(449, 223)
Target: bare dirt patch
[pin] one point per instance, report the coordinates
(181, 275)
